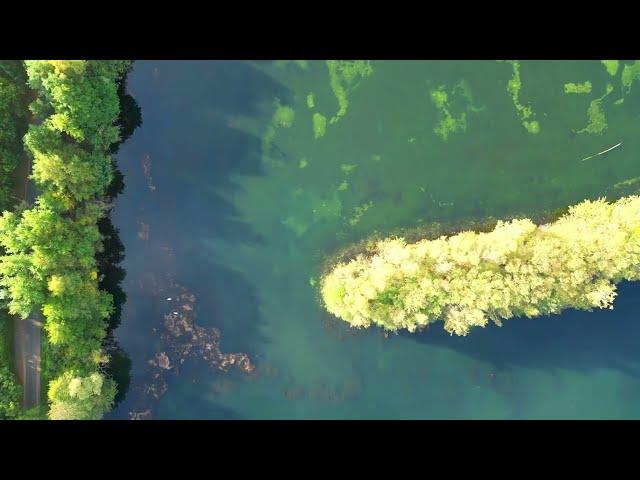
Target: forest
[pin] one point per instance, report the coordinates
(49, 263)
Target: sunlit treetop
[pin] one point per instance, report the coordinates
(83, 96)
(468, 279)
(80, 398)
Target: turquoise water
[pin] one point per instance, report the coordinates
(242, 209)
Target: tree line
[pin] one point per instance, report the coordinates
(49, 265)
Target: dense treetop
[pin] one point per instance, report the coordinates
(49, 264)
(518, 269)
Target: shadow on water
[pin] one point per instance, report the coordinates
(574, 340)
(200, 408)
(195, 148)
(190, 148)
(226, 301)
(196, 151)
(110, 258)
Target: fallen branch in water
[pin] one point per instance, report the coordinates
(602, 152)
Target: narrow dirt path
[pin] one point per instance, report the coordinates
(27, 333)
(27, 351)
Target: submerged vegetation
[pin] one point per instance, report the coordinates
(513, 87)
(50, 262)
(611, 66)
(319, 125)
(447, 123)
(444, 100)
(518, 269)
(584, 87)
(629, 74)
(344, 76)
(597, 120)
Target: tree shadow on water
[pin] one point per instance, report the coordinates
(228, 302)
(574, 340)
(112, 253)
(188, 153)
(194, 147)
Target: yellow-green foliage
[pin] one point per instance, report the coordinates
(597, 120)
(629, 74)
(611, 66)
(584, 87)
(344, 76)
(447, 123)
(524, 112)
(80, 398)
(319, 125)
(518, 269)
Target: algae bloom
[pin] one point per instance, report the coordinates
(577, 87)
(611, 66)
(319, 125)
(524, 112)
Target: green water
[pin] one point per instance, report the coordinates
(250, 204)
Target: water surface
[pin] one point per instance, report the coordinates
(242, 211)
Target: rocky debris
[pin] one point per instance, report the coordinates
(163, 361)
(188, 339)
(182, 339)
(143, 231)
(145, 415)
(157, 387)
(146, 170)
(293, 393)
(168, 251)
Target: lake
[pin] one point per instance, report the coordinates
(245, 177)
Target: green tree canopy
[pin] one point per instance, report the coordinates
(518, 269)
(75, 397)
